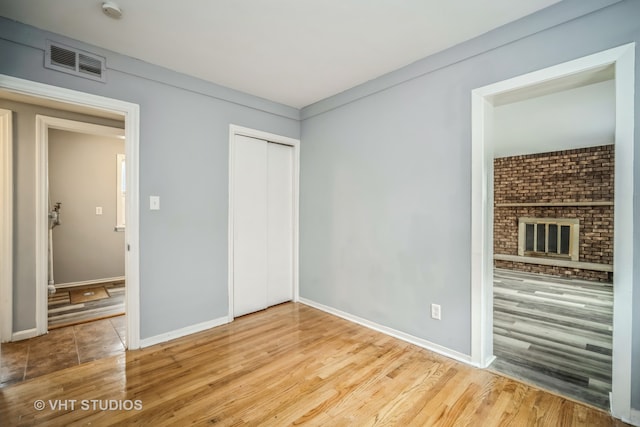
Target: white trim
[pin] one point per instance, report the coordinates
(82, 127)
(623, 233)
(24, 335)
(188, 330)
(120, 196)
(634, 419)
(481, 232)
(482, 212)
(296, 221)
(460, 357)
(89, 282)
(295, 143)
(42, 223)
(6, 226)
(131, 114)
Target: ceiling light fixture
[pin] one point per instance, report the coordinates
(112, 10)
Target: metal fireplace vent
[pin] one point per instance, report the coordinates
(75, 61)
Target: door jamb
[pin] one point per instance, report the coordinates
(482, 212)
(131, 115)
(6, 226)
(295, 144)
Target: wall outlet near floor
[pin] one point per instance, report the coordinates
(435, 311)
(98, 210)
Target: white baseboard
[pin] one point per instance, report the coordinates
(178, 333)
(24, 335)
(487, 363)
(88, 282)
(392, 332)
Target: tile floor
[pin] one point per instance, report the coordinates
(61, 348)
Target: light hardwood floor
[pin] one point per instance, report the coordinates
(290, 364)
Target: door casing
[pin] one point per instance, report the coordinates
(6, 226)
(623, 58)
(131, 115)
(279, 139)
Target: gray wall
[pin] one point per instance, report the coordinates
(82, 175)
(184, 137)
(386, 189)
(24, 130)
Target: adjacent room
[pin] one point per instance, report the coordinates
(86, 257)
(84, 236)
(553, 235)
(332, 213)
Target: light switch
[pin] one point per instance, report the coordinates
(98, 210)
(154, 203)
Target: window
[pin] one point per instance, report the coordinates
(551, 237)
(121, 190)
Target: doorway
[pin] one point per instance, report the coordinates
(482, 211)
(553, 235)
(75, 101)
(263, 220)
(85, 164)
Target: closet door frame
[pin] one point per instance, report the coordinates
(235, 130)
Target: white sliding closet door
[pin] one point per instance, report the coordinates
(279, 223)
(250, 226)
(263, 224)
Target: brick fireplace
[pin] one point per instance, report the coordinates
(553, 213)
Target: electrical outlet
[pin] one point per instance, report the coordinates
(98, 210)
(435, 311)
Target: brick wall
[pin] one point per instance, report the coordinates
(581, 175)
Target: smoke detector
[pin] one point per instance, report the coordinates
(112, 10)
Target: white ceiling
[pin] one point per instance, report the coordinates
(559, 118)
(295, 52)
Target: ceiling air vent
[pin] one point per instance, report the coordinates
(74, 61)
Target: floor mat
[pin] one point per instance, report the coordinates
(84, 295)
